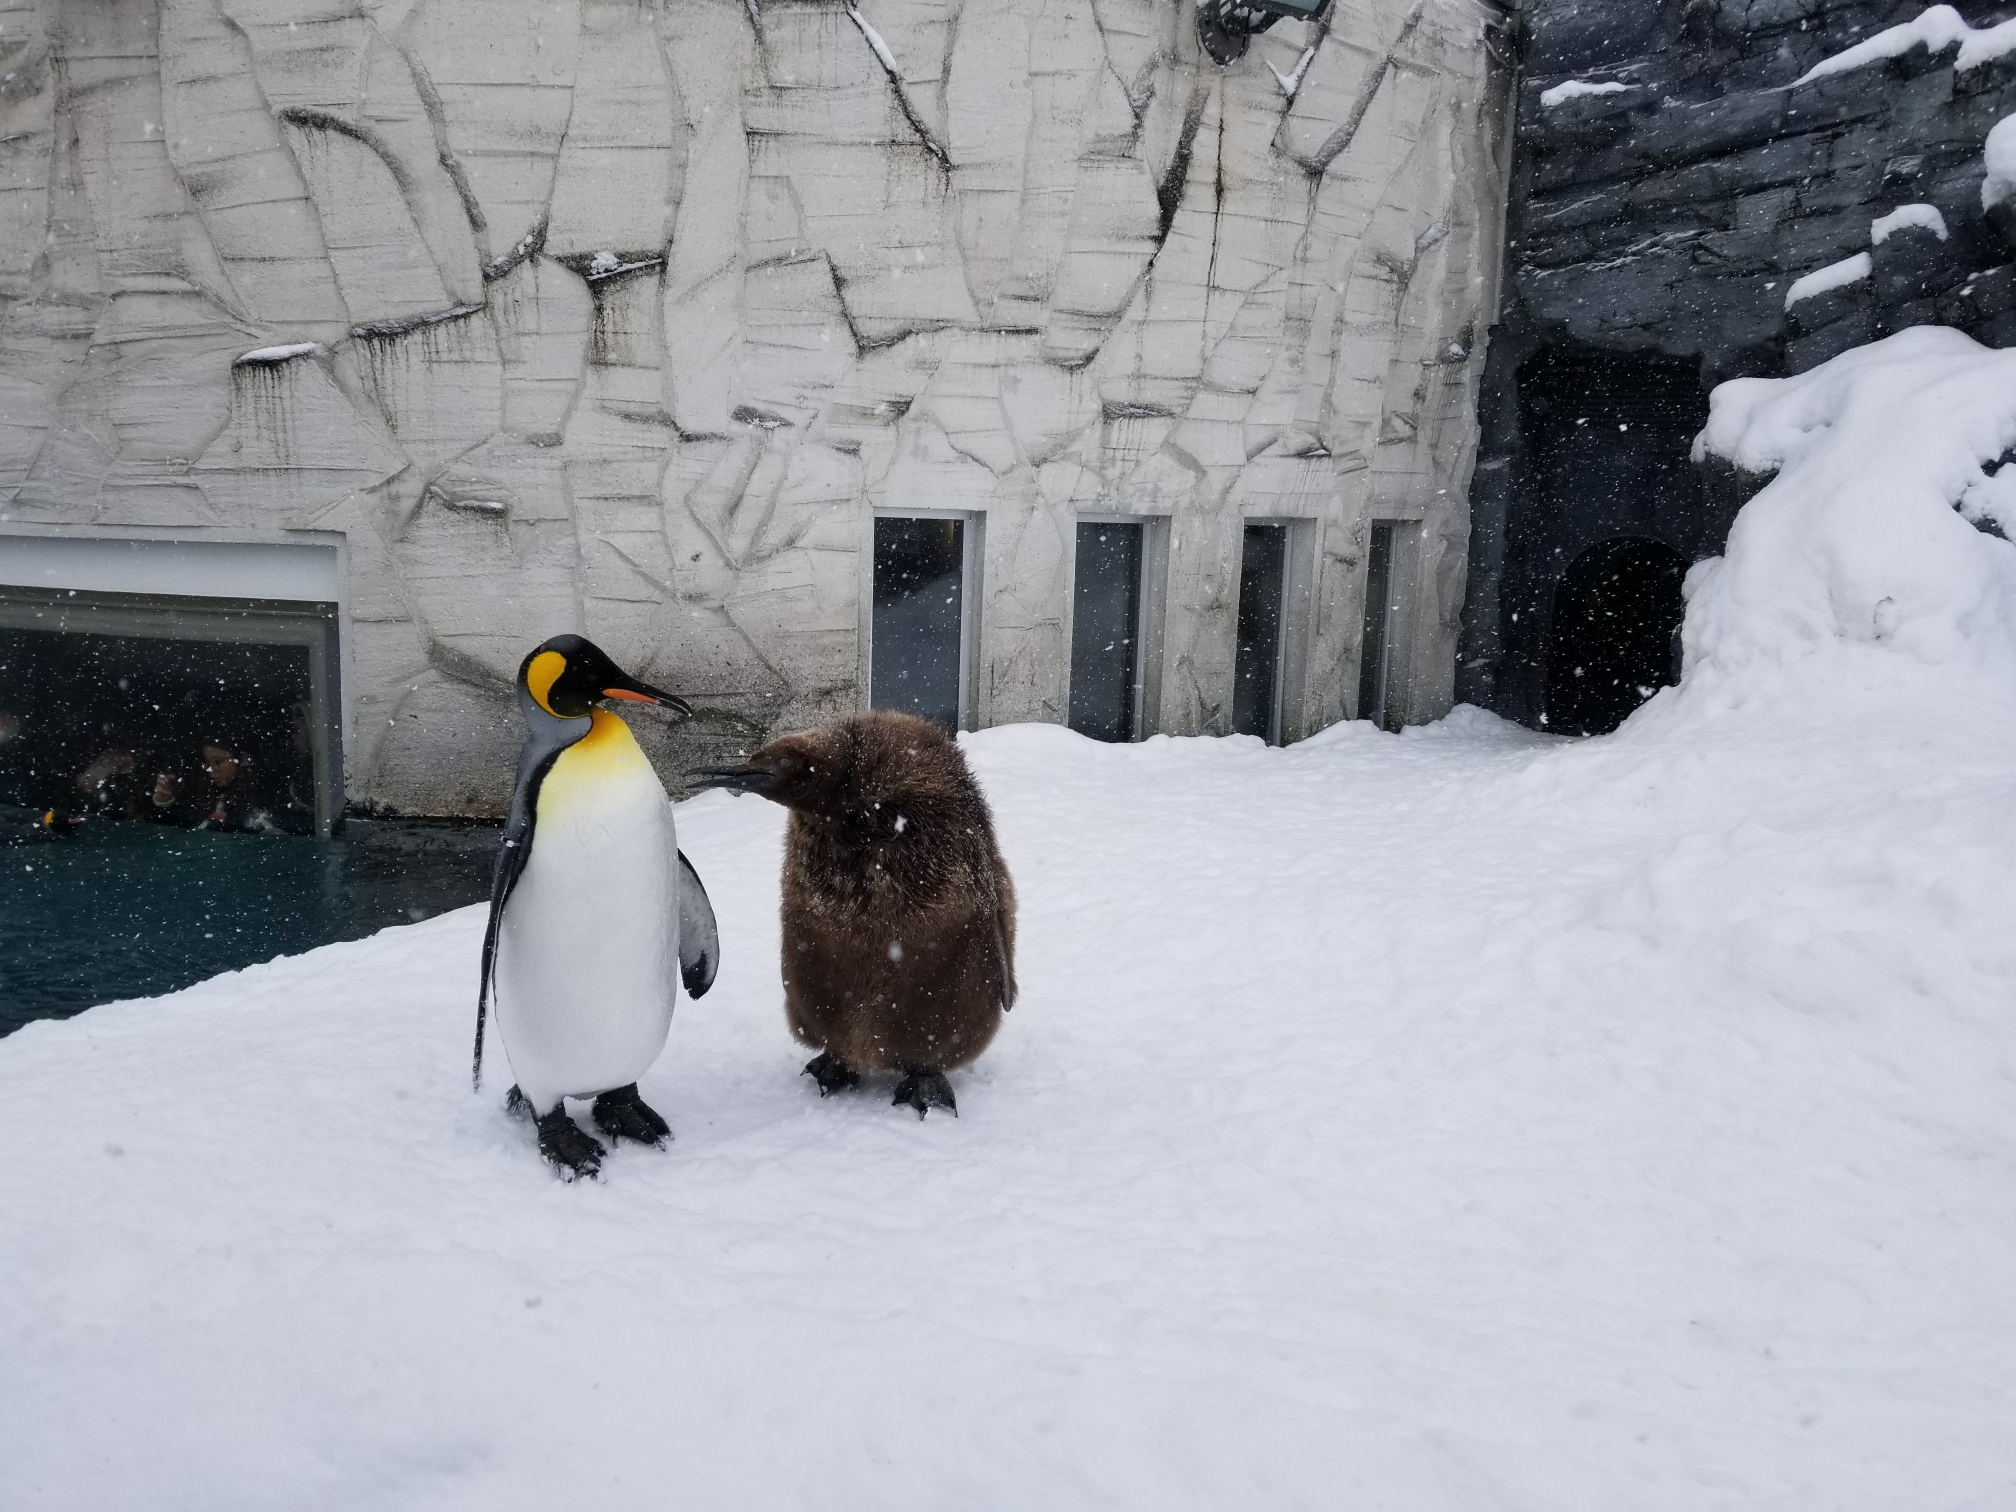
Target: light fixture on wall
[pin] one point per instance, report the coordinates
(1225, 26)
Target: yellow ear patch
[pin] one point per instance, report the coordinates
(541, 675)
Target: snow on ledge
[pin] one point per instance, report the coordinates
(266, 356)
(1576, 89)
(1834, 276)
(1998, 156)
(1904, 217)
(1934, 29)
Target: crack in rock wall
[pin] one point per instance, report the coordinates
(624, 316)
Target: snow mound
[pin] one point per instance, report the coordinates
(1860, 551)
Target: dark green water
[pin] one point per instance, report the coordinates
(119, 910)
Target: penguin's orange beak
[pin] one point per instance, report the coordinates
(631, 691)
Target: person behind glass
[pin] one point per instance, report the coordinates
(229, 790)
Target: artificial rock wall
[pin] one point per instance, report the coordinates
(1675, 172)
(622, 316)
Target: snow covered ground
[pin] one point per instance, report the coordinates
(1454, 1120)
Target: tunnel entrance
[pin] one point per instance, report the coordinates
(1590, 447)
(1616, 634)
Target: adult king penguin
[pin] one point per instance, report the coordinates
(899, 915)
(591, 903)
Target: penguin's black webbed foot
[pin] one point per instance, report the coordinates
(517, 1104)
(832, 1073)
(573, 1150)
(925, 1090)
(622, 1114)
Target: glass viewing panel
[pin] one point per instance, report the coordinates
(188, 733)
(1372, 657)
(1256, 666)
(1105, 629)
(916, 640)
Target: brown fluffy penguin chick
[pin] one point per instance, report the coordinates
(899, 917)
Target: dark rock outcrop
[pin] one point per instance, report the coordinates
(1655, 230)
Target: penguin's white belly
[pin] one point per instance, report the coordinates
(588, 953)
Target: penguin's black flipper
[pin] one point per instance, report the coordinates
(534, 761)
(1004, 968)
(699, 940)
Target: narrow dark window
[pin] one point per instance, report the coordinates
(1105, 630)
(1372, 656)
(1256, 668)
(917, 639)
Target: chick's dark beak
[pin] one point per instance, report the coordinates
(742, 779)
(629, 690)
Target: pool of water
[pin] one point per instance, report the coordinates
(116, 910)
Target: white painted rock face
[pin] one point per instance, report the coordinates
(691, 287)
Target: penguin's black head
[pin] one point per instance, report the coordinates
(567, 676)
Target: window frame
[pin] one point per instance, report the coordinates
(1289, 720)
(264, 622)
(971, 555)
(1150, 599)
(1395, 677)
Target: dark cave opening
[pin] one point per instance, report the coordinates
(1615, 639)
(1585, 447)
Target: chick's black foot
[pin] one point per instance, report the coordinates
(925, 1090)
(517, 1104)
(832, 1073)
(573, 1151)
(622, 1114)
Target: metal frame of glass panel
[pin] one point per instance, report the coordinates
(272, 622)
(971, 538)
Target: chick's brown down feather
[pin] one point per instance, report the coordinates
(898, 913)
